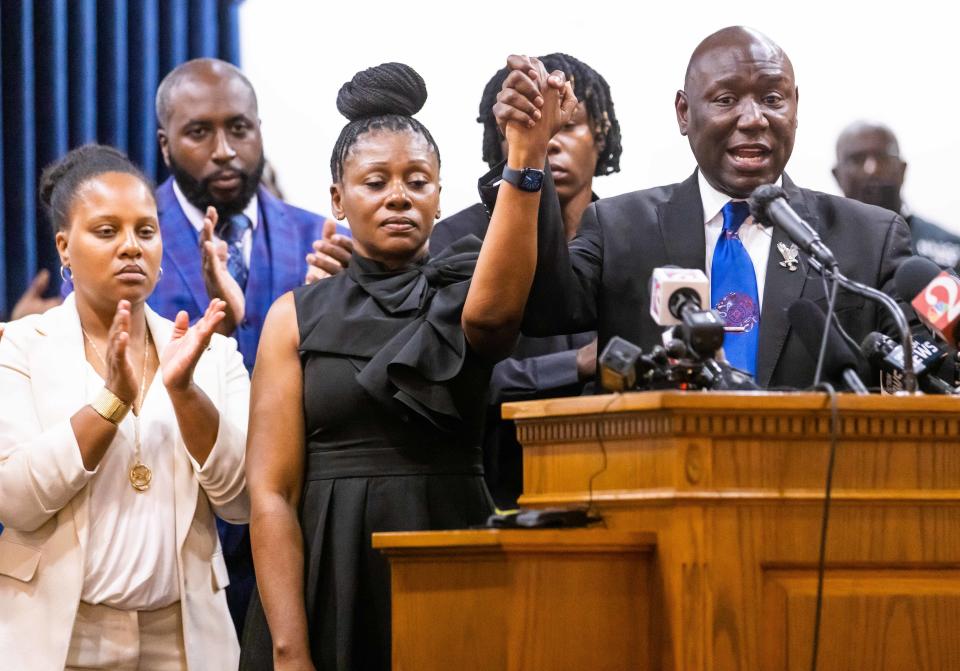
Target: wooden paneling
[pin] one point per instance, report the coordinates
(732, 484)
(521, 600)
(878, 619)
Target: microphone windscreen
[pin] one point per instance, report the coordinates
(913, 275)
(761, 197)
(808, 321)
(875, 346)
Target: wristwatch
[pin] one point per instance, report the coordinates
(525, 179)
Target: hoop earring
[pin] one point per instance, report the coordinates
(159, 273)
(437, 215)
(64, 270)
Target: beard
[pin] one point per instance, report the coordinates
(882, 194)
(198, 193)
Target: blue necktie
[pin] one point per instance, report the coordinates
(733, 290)
(231, 231)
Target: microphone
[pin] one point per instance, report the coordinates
(676, 291)
(677, 297)
(618, 365)
(936, 296)
(886, 355)
(768, 205)
(809, 322)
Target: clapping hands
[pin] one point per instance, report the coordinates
(187, 344)
(217, 278)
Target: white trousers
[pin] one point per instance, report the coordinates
(108, 638)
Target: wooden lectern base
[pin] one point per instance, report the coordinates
(513, 599)
(731, 485)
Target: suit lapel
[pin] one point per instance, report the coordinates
(61, 364)
(681, 226)
(782, 288)
(285, 260)
(180, 244)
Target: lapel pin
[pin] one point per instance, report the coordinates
(789, 256)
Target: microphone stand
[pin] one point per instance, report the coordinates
(906, 337)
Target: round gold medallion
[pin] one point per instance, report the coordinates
(140, 477)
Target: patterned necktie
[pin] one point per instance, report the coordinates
(232, 231)
(733, 290)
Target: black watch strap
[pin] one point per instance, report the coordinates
(525, 179)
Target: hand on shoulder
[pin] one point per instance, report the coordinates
(330, 255)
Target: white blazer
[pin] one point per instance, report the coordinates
(44, 494)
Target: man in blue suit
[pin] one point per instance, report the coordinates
(209, 134)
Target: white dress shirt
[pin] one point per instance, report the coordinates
(755, 237)
(195, 217)
(131, 550)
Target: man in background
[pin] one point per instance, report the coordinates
(209, 134)
(869, 169)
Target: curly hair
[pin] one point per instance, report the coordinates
(591, 90)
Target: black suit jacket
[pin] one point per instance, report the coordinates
(602, 281)
(935, 243)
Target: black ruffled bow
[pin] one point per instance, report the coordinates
(404, 323)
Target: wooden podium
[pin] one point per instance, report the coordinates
(729, 487)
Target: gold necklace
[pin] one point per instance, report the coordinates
(140, 474)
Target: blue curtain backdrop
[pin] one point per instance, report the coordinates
(78, 71)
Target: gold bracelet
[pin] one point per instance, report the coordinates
(109, 406)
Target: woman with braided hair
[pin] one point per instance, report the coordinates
(369, 391)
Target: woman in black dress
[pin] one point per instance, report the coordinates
(369, 391)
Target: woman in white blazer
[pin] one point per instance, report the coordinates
(121, 435)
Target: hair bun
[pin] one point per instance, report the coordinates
(54, 173)
(390, 88)
(49, 179)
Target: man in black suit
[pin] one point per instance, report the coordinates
(870, 169)
(739, 110)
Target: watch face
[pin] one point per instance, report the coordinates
(531, 180)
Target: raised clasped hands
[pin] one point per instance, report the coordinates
(330, 255)
(217, 278)
(533, 105)
(187, 344)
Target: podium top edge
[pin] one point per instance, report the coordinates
(589, 539)
(734, 401)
